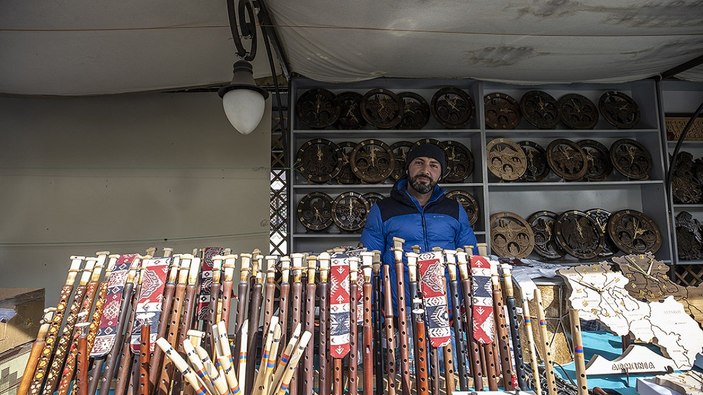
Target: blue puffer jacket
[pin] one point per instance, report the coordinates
(441, 223)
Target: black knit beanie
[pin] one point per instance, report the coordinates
(428, 150)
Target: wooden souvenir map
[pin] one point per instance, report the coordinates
(599, 293)
(649, 280)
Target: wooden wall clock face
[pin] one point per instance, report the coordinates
(511, 235)
(686, 189)
(689, 243)
(350, 111)
(601, 217)
(315, 211)
(319, 160)
(452, 107)
(537, 166)
(372, 161)
(578, 234)
(460, 161)
(506, 160)
(400, 150)
(619, 110)
(577, 111)
(542, 224)
(415, 112)
(634, 232)
(567, 160)
(373, 197)
(381, 108)
(540, 109)
(317, 108)
(349, 211)
(346, 174)
(599, 166)
(502, 111)
(631, 159)
(468, 201)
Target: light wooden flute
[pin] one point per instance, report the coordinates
(182, 366)
(219, 333)
(285, 357)
(197, 364)
(531, 344)
(579, 359)
(227, 286)
(402, 316)
(218, 380)
(308, 356)
(36, 351)
(418, 312)
(265, 354)
(271, 362)
(190, 301)
(290, 369)
(283, 301)
(243, 357)
(367, 331)
(269, 290)
(547, 356)
(390, 332)
(473, 347)
(242, 294)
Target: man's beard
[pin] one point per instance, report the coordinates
(420, 187)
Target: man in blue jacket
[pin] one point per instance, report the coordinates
(419, 212)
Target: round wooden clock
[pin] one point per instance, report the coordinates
(381, 108)
(540, 109)
(578, 234)
(577, 111)
(415, 112)
(567, 160)
(315, 211)
(349, 211)
(460, 161)
(542, 224)
(631, 159)
(634, 232)
(317, 108)
(601, 217)
(452, 107)
(373, 197)
(537, 166)
(468, 201)
(506, 160)
(511, 235)
(372, 161)
(599, 166)
(689, 242)
(400, 150)
(501, 110)
(619, 109)
(346, 174)
(350, 117)
(319, 160)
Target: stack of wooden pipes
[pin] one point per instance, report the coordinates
(299, 324)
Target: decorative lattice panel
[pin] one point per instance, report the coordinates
(688, 275)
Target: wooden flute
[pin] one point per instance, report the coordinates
(367, 331)
(190, 300)
(297, 291)
(285, 357)
(420, 340)
(269, 290)
(36, 350)
(144, 359)
(242, 303)
(227, 286)
(204, 364)
(308, 354)
(271, 363)
(224, 357)
(502, 330)
(256, 297)
(402, 316)
(69, 369)
(265, 355)
(473, 347)
(293, 364)
(488, 348)
(390, 331)
(457, 321)
(353, 387)
(54, 374)
(182, 366)
(81, 383)
(283, 301)
(579, 359)
(213, 310)
(323, 291)
(527, 319)
(514, 326)
(168, 368)
(116, 351)
(434, 356)
(166, 306)
(547, 356)
(379, 366)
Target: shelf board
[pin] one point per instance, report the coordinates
(530, 134)
(379, 133)
(377, 186)
(692, 262)
(686, 143)
(576, 184)
(696, 207)
(343, 235)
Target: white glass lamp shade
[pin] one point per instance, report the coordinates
(244, 109)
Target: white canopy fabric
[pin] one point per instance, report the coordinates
(81, 47)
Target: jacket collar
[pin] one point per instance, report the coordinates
(400, 193)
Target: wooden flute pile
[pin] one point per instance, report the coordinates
(174, 324)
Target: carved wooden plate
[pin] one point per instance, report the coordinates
(599, 166)
(689, 243)
(381, 108)
(400, 150)
(567, 160)
(511, 235)
(373, 197)
(537, 166)
(319, 160)
(317, 108)
(372, 161)
(415, 112)
(578, 234)
(540, 109)
(468, 201)
(452, 107)
(634, 232)
(315, 211)
(346, 174)
(577, 111)
(460, 161)
(350, 111)
(349, 211)
(542, 224)
(506, 160)
(631, 158)
(619, 109)
(601, 217)
(502, 111)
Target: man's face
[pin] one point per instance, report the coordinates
(424, 173)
